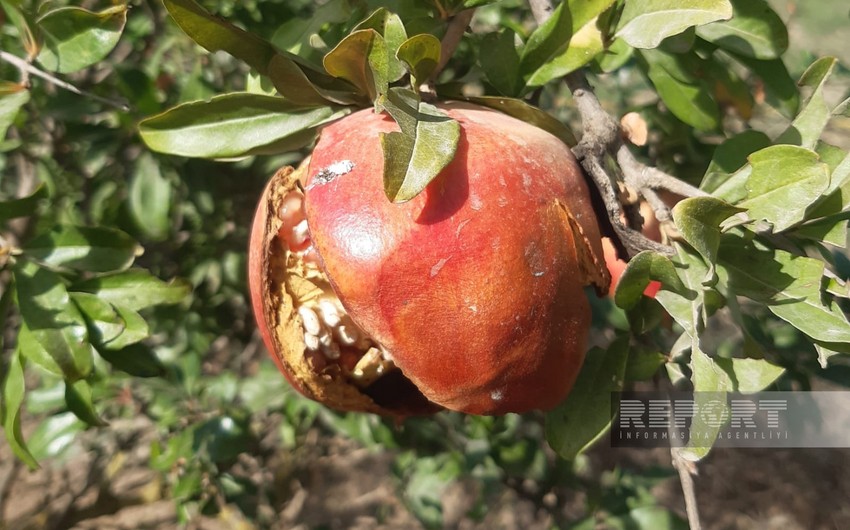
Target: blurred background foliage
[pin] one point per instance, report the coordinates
(226, 439)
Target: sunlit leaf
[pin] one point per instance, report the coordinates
(362, 59)
(135, 289)
(76, 38)
(54, 322)
(149, 200)
(585, 44)
(807, 127)
(11, 100)
(233, 125)
(643, 268)
(421, 55)
(645, 23)
(426, 144)
(785, 181)
(730, 156)
(698, 220)
(93, 249)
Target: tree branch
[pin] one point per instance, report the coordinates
(454, 33)
(26, 68)
(602, 138)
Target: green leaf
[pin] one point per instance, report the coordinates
(585, 44)
(91, 249)
(135, 289)
(54, 322)
(553, 39)
(104, 322)
(149, 200)
(420, 54)
(14, 390)
(75, 38)
(23, 207)
(78, 398)
(643, 365)
(698, 220)
(137, 360)
(215, 34)
(789, 285)
(24, 23)
(807, 127)
(755, 30)
(730, 156)
(528, 113)
(645, 23)
(55, 435)
(748, 376)
(12, 98)
(780, 89)
(135, 329)
(785, 181)
(587, 413)
(687, 96)
(416, 155)
(642, 269)
(34, 352)
(500, 62)
(361, 58)
(234, 125)
(708, 380)
(391, 28)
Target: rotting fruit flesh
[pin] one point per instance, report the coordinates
(468, 297)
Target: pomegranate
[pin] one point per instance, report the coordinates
(468, 297)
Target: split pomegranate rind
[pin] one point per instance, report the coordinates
(285, 289)
(476, 286)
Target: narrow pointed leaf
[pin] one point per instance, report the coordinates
(137, 360)
(75, 38)
(135, 289)
(585, 44)
(807, 127)
(755, 30)
(78, 398)
(587, 413)
(149, 200)
(730, 156)
(233, 125)
(14, 390)
(686, 95)
(528, 113)
(104, 322)
(92, 249)
(645, 23)
(54, 322)
(23, 207)
(11, 100)
(416, 155)
(500, 62)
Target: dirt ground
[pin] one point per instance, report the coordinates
(332, 483)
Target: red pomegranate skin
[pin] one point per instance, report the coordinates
(474, 286)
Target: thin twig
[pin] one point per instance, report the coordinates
(454, 34)
(24, 66)
(687, 470)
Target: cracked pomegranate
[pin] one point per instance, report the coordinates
(469, 297)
